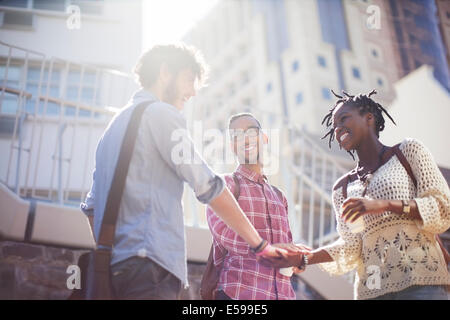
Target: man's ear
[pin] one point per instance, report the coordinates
(164, 73)
(265, 137)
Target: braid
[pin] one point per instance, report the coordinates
(365, 105)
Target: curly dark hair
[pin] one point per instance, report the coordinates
(176, 57)
(365, 105)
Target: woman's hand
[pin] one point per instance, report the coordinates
(353, 208)
(292, 256)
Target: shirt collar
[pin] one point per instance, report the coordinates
(251, 175)
(143, 95)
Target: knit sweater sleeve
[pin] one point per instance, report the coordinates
(433, 194)
(346, 251)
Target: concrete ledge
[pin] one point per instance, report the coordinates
(13, 215)
(62, 226)
(53, 225)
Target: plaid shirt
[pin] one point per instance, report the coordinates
(242, 277)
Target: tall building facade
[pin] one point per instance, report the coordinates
(420, 31)
(443, 9)
(280, 59)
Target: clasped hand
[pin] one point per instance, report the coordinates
(288, 255)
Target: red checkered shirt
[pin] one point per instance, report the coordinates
(242, 277)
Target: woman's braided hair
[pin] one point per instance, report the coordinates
(365, 105)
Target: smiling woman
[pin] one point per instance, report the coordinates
(402, 201)
(166, 21)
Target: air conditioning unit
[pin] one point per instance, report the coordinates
(17, 20)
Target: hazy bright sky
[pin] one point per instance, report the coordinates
(168, 20)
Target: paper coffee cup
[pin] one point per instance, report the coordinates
(357, 226)
(287, 271)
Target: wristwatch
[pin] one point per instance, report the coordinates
(406, 207)
(304, 262)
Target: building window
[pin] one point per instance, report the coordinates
(269, 87)
(81, 87)
(380, 82)
(326, 93)
(14, 3)
(299, 98)
(356, 73)
(50, 85)
(295, 66)
(321, 61)
(52, 5)
(12, 78)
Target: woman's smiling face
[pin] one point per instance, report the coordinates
(350, 127)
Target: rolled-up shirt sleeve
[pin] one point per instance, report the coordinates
(223, 234)
(176, 147)
(433, 194)
(88, 205)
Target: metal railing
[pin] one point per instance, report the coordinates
(51, 149)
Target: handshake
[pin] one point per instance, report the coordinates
(285, 255)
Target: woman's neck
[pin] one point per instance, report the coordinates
(369, 152)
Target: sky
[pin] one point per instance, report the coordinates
(168, 20)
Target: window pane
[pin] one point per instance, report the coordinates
(299, 98)
(295, 66)
(14, 3)
(34, 73)
(9, 104)
(72, 93)
(321, 60)
(73, 77)
(54, 5)
(356, 73)
(87, 95)
(326, 94)
(70, 111)
(14, 72)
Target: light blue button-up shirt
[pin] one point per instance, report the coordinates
(150, 222)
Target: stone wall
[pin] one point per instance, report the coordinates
(29, 271)
(37, 272)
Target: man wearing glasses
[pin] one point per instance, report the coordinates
(241, 276)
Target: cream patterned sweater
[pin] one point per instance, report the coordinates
(394, 251)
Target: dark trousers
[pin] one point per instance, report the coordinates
(143, 279)
(221, 295)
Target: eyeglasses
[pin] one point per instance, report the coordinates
(241, 134)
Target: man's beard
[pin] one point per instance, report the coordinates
(170, 94)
